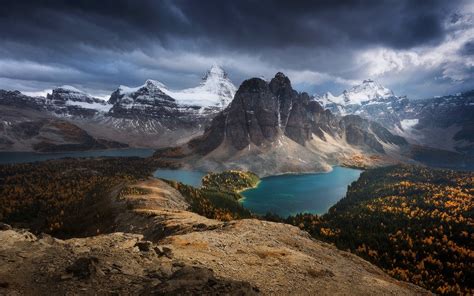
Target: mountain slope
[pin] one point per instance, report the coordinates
(440, 123)
(270, 128)
(216, 91)
(369, 100)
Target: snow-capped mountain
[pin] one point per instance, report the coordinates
(151, 114)
(153, 99)
(215, 90)
(68, 100)
(439, 123)
(213, 94)
(368, 92)
(369, 100)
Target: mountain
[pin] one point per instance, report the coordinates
(49, 135)
(150, 115)
(442, 124)
(216, 91)
(367, 92)
(369, 100)
(270, 128)
(69, 101)
(155, 99)
(445, 122)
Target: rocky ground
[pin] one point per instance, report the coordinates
(161, 248)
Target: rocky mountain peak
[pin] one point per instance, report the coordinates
(280, 83)
(215, 71)
(368, 90)
(155, 84)
(263, 114)
(67, 94)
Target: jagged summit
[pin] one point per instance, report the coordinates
(68, 99)
(369, 99)
(215, 90)
(369, 90)
(215, 71)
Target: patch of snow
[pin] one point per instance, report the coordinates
(95, 106)
(408, 124)
(41, 93)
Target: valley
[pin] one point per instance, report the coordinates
(116, 201)
(133, 213)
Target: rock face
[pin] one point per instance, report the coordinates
(265, 116)
(442, 123)
(147, 102)
(165, 250)
(19, 100)
(69, 101)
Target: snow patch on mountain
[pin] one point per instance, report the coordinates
(408, 124)
(101, 107)
(68, 95)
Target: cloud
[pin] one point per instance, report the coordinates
(98, 45)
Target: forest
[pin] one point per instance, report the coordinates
(230, 181)
(212, 202)
(415, 223)
(46, 196)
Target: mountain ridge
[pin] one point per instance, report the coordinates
(270, 128)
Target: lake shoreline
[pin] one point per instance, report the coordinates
(287, 194)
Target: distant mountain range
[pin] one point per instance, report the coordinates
(445, 123)
(266, 127)
(150, 115)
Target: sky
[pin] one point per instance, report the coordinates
(419, 48)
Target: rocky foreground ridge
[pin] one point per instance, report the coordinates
(154, 245)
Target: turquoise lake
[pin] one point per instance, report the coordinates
(291, 194)
(22, 157)
(284, 194)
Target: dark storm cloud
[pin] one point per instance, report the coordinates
(99, 44)
(247, 24)
(468, 48)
